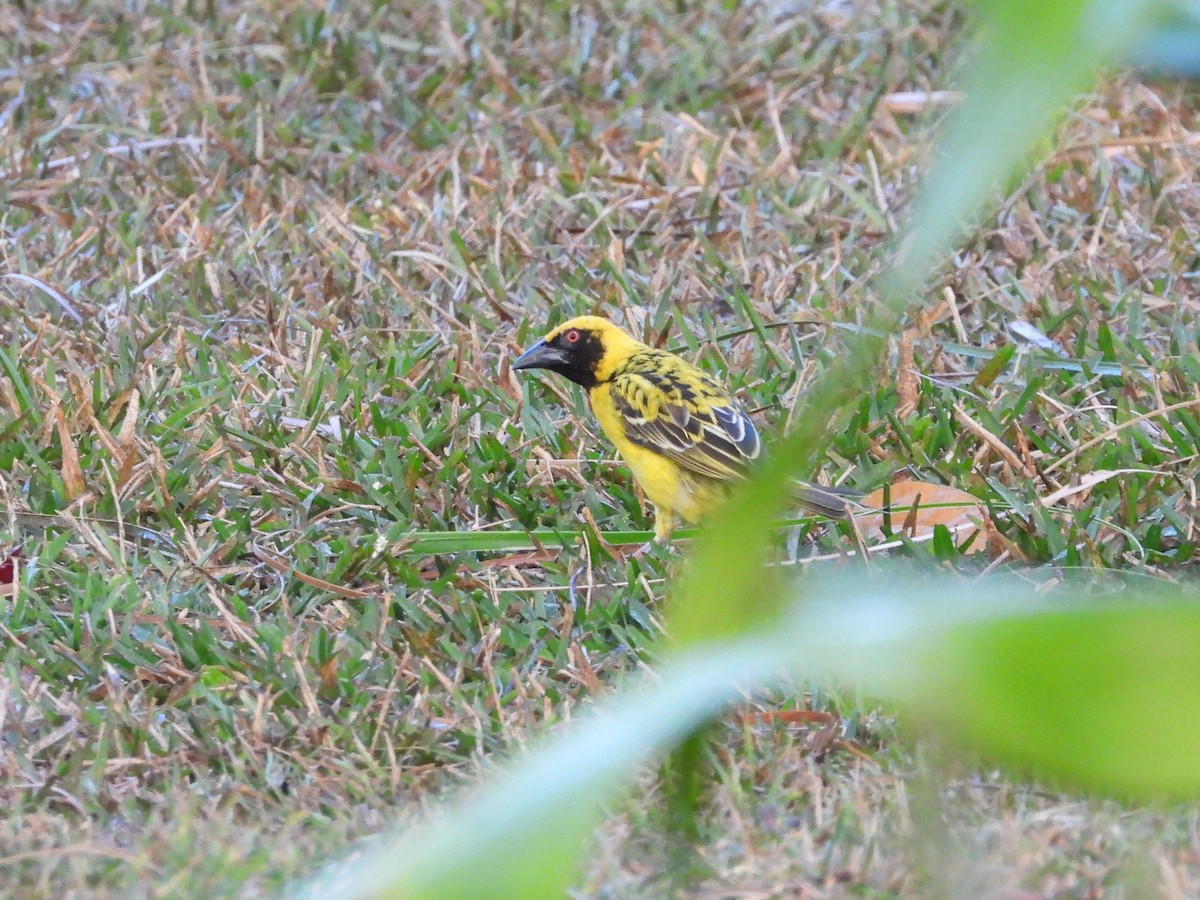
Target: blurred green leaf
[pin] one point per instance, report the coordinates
(1101, 699)
(522, 833)
(1172, 44)
(1172, 50)
(1098, 697)
(1033, 57)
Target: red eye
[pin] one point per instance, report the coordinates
(572, 336)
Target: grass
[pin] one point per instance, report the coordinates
(295, 542)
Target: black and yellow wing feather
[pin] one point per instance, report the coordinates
(677, 410)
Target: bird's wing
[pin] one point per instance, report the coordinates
(688, 417)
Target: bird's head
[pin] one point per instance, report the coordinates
(584, 349)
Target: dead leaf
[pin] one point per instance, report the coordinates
(918, 506)
(328, 673)
(343, 484)
(126, 439)
(129, 425)
(72, 474)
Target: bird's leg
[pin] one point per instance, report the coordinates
(664, 524)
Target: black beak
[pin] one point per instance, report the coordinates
(540, 356)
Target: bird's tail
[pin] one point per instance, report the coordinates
(825, 500)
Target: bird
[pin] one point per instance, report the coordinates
(680, 431)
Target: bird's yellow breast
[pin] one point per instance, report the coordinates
(672, 489)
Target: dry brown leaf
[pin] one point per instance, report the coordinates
(72, 474)
(129, 425)
(343, 484)
(328, 673)
(918, 506)
(126, 439)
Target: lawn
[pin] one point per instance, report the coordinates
(290, 543)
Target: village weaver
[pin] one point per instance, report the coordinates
(679, 429)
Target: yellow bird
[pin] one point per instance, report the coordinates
(681, 432)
